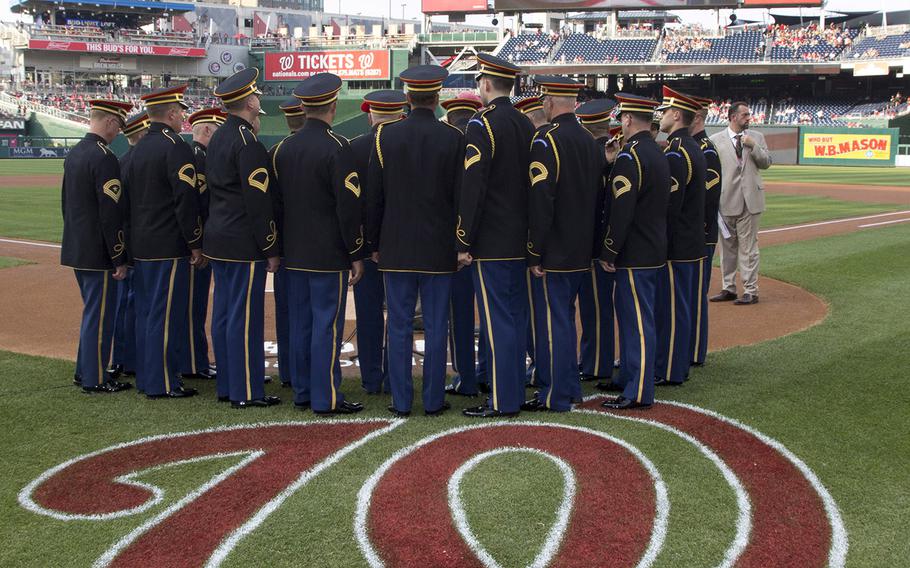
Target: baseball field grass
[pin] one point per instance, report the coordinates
(32, 210)
(8, 262)
(834, 394)
(838, 175)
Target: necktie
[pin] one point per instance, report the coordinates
(739, 146)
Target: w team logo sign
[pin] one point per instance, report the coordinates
(613, 506)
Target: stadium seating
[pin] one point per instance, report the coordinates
(809, 44)
(872, 47)
(528, 48)
(740, 46)
(585, 48)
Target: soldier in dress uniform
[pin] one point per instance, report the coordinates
(412, 226)
(635, 248)
(565, 173)
(318, 190)
(196, 363)
(461, 327)
(241, 242)
(294, 116)
(123, 359)
(93, 240)
(166, 235)
(679, 289)
(532, 107)
(492, 232)
(369, 294)
(713, 181)
(595, 297)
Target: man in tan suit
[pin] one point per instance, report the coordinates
(742, 153)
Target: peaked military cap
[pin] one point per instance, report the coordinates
(488, 64)
(595, 111)
(136, 123)
(385, 101)
(528, 104)
(238, 86)
(635, 103)
(292, 107)
(705, 102)
(117, 108)
(165, 96)
(557, 86)
(423, 78)
(675, 99)
(466, 100)
(318, 90)
(213, 115)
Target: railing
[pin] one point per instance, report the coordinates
(71, 117)
(467, 37)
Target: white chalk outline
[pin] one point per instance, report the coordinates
(364, 496)
(744, 516)
(837, 553)
(26, 501)
(557, 531)
(832, 222)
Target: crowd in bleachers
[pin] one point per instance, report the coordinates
(875, 46)
(739, 46)
(529, 48)
(810, 43)
(112, 35)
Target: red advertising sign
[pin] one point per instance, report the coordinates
(116, 48)
(350, 65)
(453, 6)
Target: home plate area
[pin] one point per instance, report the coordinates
(599, 490)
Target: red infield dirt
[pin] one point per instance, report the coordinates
(41, 312)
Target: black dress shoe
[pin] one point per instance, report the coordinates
(450, 389)
(77, 380)
(115, 371)
(302, 405)
(697, 364)
(623, 403)
(107, 388)
(286, 385)
(399, 413)
(666, 383)
(746, 299)
(724, 296)
(256, 403)
(486, 412)
(483, 387)
(534, 405)
(445, 406)
(224, 399)
(585, 378)
(608, 386)
(344, 407)
(182, 392)
(267, 379)
(201, 374)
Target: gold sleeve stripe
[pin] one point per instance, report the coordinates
(674, 184)
(353, 183)
(187, 173)
(621, 186)
(260, 184)
(714, 181)
(537, 172)
(112, 189)
(470, 161)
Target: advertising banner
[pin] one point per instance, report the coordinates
(453, 6)
(36, 152)
(848, 147)
(115, 48)
(350, 65)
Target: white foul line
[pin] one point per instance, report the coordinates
(821, 223)
(32, 243)
(884, 223)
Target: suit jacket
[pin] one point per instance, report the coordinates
(742, 186)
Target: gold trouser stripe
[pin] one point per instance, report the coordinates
(596, 321)
(672, 320)
(701, 276)
(101, 328)
(546, 299)
(486, 311)
(385, 338)
(641, 336)
(167, 322)
(335, 339)
(190, 312)
(531, 305)
(246, 332)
